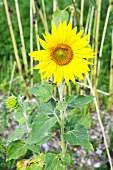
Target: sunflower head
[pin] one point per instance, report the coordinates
(63, 53)
(12, 102)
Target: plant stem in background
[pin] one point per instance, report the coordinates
(14, 42)
(41, 16)
(81, 12)
(77, 15)
(72, 14)
(12, 75)
(91, 21)
(55, 5)
(87, 21)
(103, 38)
(31, 39)
(22, 38)
(36, 31)
(111, 79)
(44, 12)
(99, 91)
(97, 15)
(101, 125)
(36, 27)
(90, 17)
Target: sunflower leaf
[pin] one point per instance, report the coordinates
(53, 163)
(78, 136)
(41, 125)
(43, 92)
(15, 150)
(80, 119)
(60, 15)
(17, 134)
(47, 107)
(78, 101)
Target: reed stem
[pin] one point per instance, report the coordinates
(96, 41)
(31, 38)
(14, 42)
(22, 38)
(111, 79)
(44, 13)
(101, 125)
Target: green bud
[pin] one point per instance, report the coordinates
(12, 102)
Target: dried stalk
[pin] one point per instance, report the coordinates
(96, 41)
(31, 39)
(12, 75)
(22, 38)
(111, 79)
(87, 21)
(91, 20)
(103, 38)
(100, 122)
(36, 32)
(99, 91)
(55, 5)
(14, 42)
(41, 14)
(81, 12)
(44, 13)
(36, 27)
(91, 10)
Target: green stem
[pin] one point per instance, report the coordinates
(62, 113)
(62, 132)
(23, 109)
(57, 119)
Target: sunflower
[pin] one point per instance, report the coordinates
(64, 54)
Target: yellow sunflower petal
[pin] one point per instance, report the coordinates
(56, 74)
(40, 55)
(42, 65)
(60, 76)
(50, 70)
(65, 74)
(44, 44)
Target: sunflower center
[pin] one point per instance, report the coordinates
(62, 54)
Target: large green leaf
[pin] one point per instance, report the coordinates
(47, 107)
(43, 92)
(78, 101)
(62, 106)
(80, 119)
(15, 150)
(18, 133)
(41, 125)
(45, 139)
(66, 159)
(78, 136)
(53, 163)
(19, 118)
(34, 148)
(60, 15)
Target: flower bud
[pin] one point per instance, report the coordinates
(12, 102)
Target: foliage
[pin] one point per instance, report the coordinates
(31, 134)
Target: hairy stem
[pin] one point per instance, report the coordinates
(62, 114)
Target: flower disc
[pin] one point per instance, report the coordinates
(62, 54)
